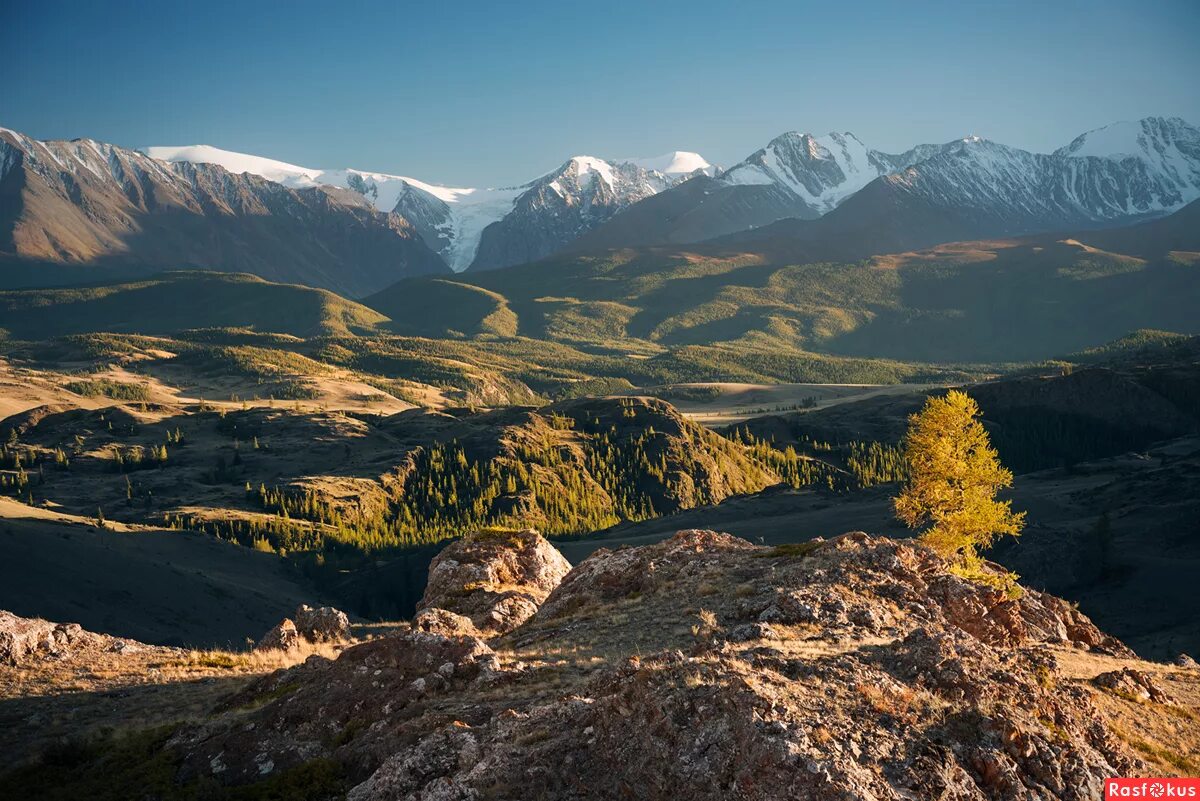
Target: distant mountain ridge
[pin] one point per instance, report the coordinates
(797, 175)
(841, 292)
(965, 189)
(801, 198)
(88, 203)
(532, 220)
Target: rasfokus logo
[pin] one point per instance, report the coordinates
(1151, 788)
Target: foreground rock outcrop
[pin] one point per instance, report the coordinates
(25, 640)
(701, 667)
(496, 579)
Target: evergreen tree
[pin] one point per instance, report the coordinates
(953, 477)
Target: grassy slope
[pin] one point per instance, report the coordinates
(176, 301)
(962, 302)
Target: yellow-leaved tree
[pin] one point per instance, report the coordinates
(954, 474)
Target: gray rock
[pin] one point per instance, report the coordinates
(496, 579)
(284, 637)
(322, 624)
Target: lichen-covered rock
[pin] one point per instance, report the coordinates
(23, 638)
(1133, 684)
(322, 624)
(1185, 661)
(440, 621)
(497, 579)
(358, 707)
(283, 637)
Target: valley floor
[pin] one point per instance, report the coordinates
(717, 404)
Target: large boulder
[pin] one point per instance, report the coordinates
(284, 637)
(22, 638)
(441, 621)
(322, 624)
(1136, 685)
(497, 579)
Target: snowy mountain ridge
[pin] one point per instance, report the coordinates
(1117, 172)
(453, 219)
(1121, 171)
(821, 171)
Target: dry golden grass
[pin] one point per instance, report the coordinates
(1166, 736)
(247, 661)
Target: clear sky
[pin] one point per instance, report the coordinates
(494, 93)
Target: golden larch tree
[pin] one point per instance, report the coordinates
(954, 474)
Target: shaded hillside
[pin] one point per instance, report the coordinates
(962, 302)
(1036, 421)
(88, 203)
(158, 586)
(172, 302)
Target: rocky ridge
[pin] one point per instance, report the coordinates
(705, 667)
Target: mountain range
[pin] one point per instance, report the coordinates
(86, 202)
(799, 199)
(484, 228)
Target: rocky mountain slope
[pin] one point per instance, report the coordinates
(85, 203)
(477, 227)
(700, 667)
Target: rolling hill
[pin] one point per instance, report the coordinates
(176, 301)
(975, 301)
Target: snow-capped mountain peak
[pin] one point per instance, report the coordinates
(278, 171)
(673, 164)
(1134, 139)
(585, 167)
(452, 219)
(820, 171)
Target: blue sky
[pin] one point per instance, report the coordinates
(496, 93)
